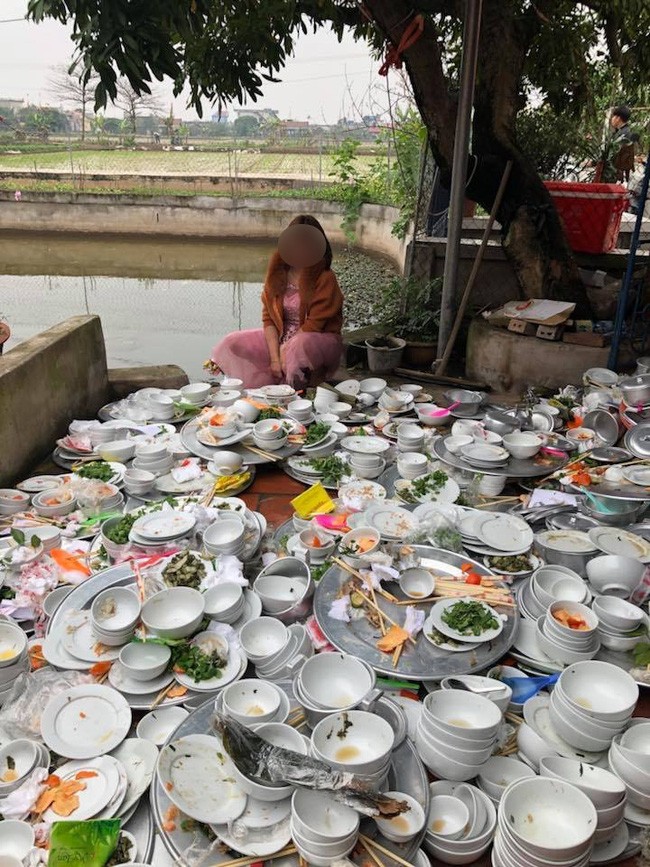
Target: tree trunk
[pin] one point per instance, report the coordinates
(533, 237)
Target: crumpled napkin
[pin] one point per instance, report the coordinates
(187, 471)
(18, 804)
(340, 609)
(226, 631)
(224, 569)
(414, 620)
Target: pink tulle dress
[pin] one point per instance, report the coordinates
(308, 357)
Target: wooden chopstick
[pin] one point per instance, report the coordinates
(379, 611)
(374, 857)
(368, 842)
(163, 694)
(255, 859)
(267, 455)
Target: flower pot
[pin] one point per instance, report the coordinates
(384, 353)
(420, 353)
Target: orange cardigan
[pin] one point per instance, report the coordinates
(321, 300)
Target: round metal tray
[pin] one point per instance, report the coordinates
(615, 491)
(514, 468)
(190, 441)
(422, 661)
(407, 775)
(142, 827)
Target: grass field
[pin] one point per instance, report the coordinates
(306, 166)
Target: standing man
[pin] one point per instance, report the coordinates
(618, 154)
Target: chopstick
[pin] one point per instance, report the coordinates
(261, 453)
(347, 568)
(162, 695)
(382, 613)
(255, 859)
(374, 857)
(368, 842)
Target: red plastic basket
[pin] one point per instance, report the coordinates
(590, 213)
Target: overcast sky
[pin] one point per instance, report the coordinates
(324, 81)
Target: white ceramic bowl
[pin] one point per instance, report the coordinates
(24, 754)
(549, 583)
(603, 788)
(279, 592)
(13, 501)
(423, 412)
(374, 386)
(317, 543)
(617, 613)
(417, 583)
(615, 575)
(66, 505)
(227, 462)
(16, 838)
(560, 651)
(410, 465)
(523, 445)
(55, 597)
(463, 713)
(440, 764)
(501, 698)
(117, 450)
(159, 725)
(574, 731)
(282, 735)
(470, 755)
(448, 817)
(246, 411)
(405, 826)
(196, 392)
(499, 771)
(551, 819)
(325, 819)
(637, 739)
(600, 690)
(145, 661)
(627, 769)
(356, 741)
(335, 680)
(226, 397)
(251, 701)
(150, 452)
(532, 747)
(269, 429)
(363, 539)
(224, 536)
(224, 602)
(223, 431)
(270, 445)
(116, 610)
(574, 636)
(174, 613)
(300, 409)
(13, 643)
(263, 638)
(454, 444)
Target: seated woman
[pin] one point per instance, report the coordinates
(300, 342)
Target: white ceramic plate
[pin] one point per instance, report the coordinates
(505, 533)
(614, 540)
(363, 491)
(536, 714)
(238, 437)
(139, 759)
(56, 654)
(304, 466)
(167, 484)
(228, 674)
(392, 522)
(484, 453)
(259, 844)
(568, 541)
(119, 680)
(197, 776)
(99, 790)
(166, 525)
(441, 626)
(365, 445)
(85, 721)
(35, 484)
(455, 647)
(448, 493)
(81, 642)
(112, 808)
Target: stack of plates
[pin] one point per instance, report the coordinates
(485, 455)
(233, 670)
(496, 534)
(160, 528)
(392, 522)
(17, 761)
(85, 721)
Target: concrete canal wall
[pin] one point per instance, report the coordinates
(195, 216)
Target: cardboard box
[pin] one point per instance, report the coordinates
(550, 332)
(520, 326)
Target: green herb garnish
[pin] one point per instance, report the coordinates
(331, 469)
(469, 618)
(196, 663)
(316, 432)
(270, 412)
(119, 534)
(184, 570)
(317, 572)
(100, 470)
(425, 486)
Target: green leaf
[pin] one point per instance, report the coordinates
(18, 536)
(35, 542)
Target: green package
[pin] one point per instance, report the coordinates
(87, 844)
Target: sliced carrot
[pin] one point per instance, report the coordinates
(85, 775)
(393, 638)
(99, 669)
(52, 781)
(177, 691)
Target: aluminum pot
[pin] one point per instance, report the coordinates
(636, 390)
(605, 425)
(468, 401)
(577, 561)
(499, 422)
(642, 365)
(616, 519)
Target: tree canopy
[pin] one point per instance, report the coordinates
(226, 51)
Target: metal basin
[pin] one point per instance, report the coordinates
(469, 401)
(636, 389)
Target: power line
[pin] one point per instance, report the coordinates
(11, 20)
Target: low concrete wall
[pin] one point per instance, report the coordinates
(197, 216)
(45, 382)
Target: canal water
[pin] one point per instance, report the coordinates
(160, 300)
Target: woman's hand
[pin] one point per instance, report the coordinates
(276, 369)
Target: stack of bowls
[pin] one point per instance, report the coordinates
(410, 437)
(13, 501)
(500, 693)
(54, 502)
(251, 701)
(114, 615)
(522, 445)
(449, 802)
(547, 584)
(17, 761)
(563, 642)
(629, 759)
(153, 457)
(144, 661)
(50, 536)
(605, 791)
(410, 465)
(367, 466)
(355, 742)
(498, 773)
(14, 660)
(273, 648)
(336, 682)
(294, 653)
(225, 536)
(137, 482)
(456, 733)
(544, 821)
(591, 703)
(176, 612)
(270, 434)
(117, 450)
(225, 602)
(196, 393)
(613, 575)
(618, 623)
(323, 829)
(424, 413)
(162, 407)
(226, 397)
(300, 410)
(290, 591)
(407, 825)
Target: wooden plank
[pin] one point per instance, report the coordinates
(443, 380)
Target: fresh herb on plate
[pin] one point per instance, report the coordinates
(513, 563)
(270, 412)
(100, 470)
(331, 469)
(469, 618)
(642, 654)
(119, 534)
(425, 486)
(184, 570)
(196, 663)
(318, 571)
(316, 432)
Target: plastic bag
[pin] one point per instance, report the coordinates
(20, 716)
(85, 843)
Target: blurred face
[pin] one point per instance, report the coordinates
(301, 246)
(616, 121)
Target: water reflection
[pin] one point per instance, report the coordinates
(160, 300)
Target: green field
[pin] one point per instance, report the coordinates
(308, 166)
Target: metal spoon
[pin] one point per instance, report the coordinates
(455, 683)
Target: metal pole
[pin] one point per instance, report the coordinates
(471, 33)
(612, 361)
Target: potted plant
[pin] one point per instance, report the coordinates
(418, 323)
